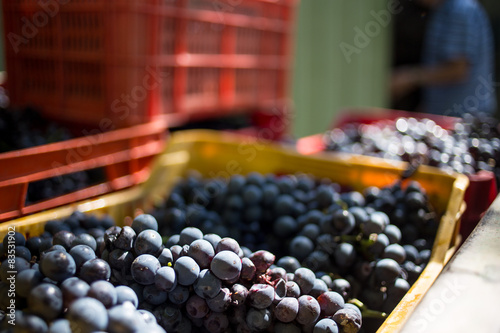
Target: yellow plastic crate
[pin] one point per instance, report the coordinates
(216, 154)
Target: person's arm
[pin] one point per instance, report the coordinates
(406, 79)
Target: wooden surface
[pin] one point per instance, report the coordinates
(466, 296)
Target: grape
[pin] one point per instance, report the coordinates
(260, 296)
(341, 286)
(85, 239)
(207, 285)
(285, 226)
(290, 264)
(287, 309)
(153, 295)
(197, 307)
(165, 278)
(411, 253)
(305, 278)
(23, 252)
(81, 254)
(73, 289)
(396, 252)
(46, 301)
(330, 302)
(148, 242)
(301, 247)
(345, 255)
(58, 326)
(189, 235)
(144, 222)
(58, 265)
(292, 289)
(179, 295)
(239, 294)
(348, 320)
(326, 325)
(251, 194)
(16, 239)
(343, 221)
(104, 292)
(95, 269)
(120, 259)
(226, 265)
(221, 301)
(379, 245)
(187, 270)
(216, 322)
(126, 294)
(202, 252)
(125, 239)
(393, 233)
(27, 280)
(309, 310)
(214, 239)
(30, 323)
(124, 318)
(318, 288)
(144, 269)
(228, 244)
(258, 319)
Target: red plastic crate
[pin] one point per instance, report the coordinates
(133, 61)
(125, 154)
(482, 189)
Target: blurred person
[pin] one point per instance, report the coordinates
(456, 74)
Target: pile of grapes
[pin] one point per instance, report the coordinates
(472, 145)
(252, 254)
(26, 128)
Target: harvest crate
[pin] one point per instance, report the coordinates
(217, 154)
(482, 188)
(125, 155)
(133, 61)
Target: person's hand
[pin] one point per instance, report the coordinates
(403, 81)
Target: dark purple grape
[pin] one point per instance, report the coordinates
(290, 264)
(187, 270)
(85, 239)
(287, 309)
(292, 289)
(144, 269)
(216, 322)
(305, 278)
(189, 235)
(330, 302)
(258, 319)
(27, 280)
(326, 325)
(148, 242)
(126, 294)
(95, 269)
(58, 265)
(125, 239)
(260, 296)
(153, 295)
(396, 252)
(46, 301)
(207, 285)
(202, 252)
(226, 265)
(300, 247)
(104, 292)
(221, 301)
(73, 289)
(143, 222)
(165, 278)
(348, 320)
(197, 307)
(81, 253)
(179, 295)
(239, 294)
(309, 310)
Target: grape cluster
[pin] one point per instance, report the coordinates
(62, 283)
(472, 145)
(26, 128)
(369, 245)
(80, 277)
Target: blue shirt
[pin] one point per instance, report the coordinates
(460, 28)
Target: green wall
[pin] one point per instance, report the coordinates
(324, 81)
